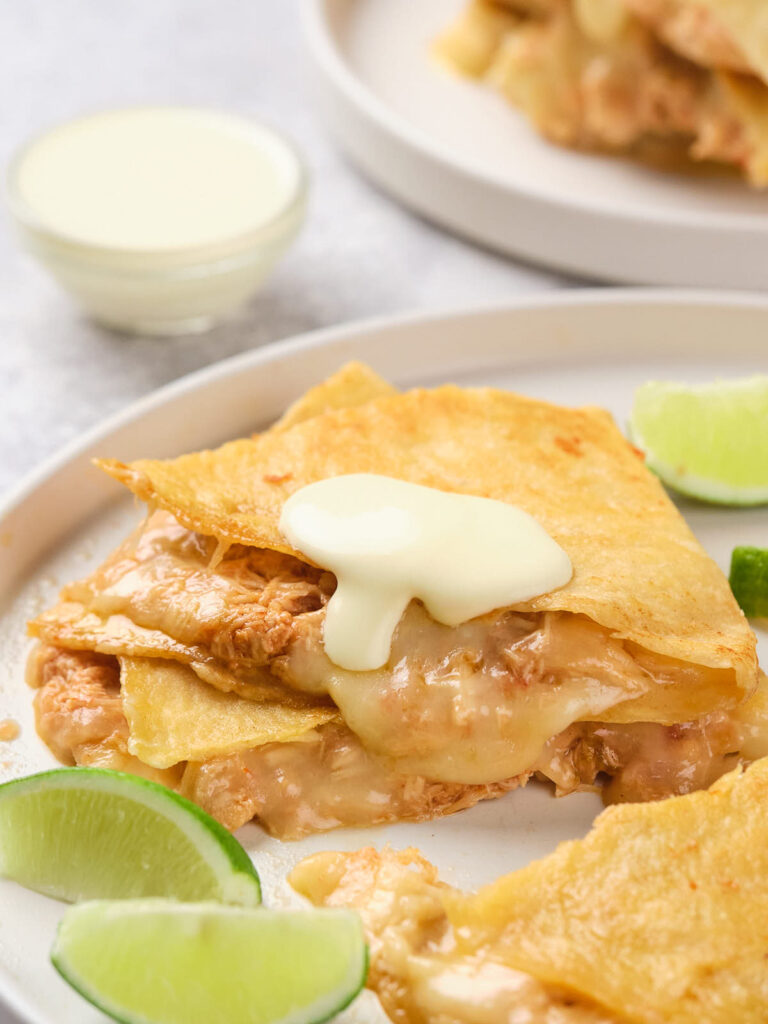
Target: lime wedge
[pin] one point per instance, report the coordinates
(709, 441)
(159, 962)
(79, 833)
(749, 580)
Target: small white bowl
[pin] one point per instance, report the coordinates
(187, 282)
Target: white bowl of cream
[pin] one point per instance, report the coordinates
(158, 220)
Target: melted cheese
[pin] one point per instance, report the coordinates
(416, 970)
(477, 703)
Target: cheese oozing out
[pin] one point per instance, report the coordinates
(389, 541)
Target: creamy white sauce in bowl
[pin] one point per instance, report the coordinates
(158, 219)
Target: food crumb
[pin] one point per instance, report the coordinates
(9, 730)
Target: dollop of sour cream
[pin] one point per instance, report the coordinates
(389, 541)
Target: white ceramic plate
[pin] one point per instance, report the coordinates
(458, 154)
(571, 348)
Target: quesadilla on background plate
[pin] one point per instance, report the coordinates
(670, 80)
(638, 671)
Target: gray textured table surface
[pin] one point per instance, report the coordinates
(359, 255)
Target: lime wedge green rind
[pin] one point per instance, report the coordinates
(749, 580)
(708, 441)
(160, 962)
(84, 833)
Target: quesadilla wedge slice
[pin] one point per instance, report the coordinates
(656, 917)
(635, 669)
(656, 914)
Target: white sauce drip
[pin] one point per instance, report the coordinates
(389, 541)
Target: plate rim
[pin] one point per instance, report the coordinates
(322, 44)
(18, 493)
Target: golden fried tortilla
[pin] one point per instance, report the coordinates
(103, 614)
(656, 917)
(79, 712)
(173, 716)
(658, 914)
(693, 30)
(746, 24)
(353, 384)
(638, 570)
(459, 714)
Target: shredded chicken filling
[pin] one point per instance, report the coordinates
(458, 715)
(474, 704)
(328, 779)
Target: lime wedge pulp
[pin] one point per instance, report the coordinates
(749, 580)
(709, 440)
(159, 962)
(81, 833)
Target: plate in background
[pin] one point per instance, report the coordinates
(571, 348)
(456, 152)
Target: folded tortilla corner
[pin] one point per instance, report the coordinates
(353, 384)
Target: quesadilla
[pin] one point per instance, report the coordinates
(670, 80)
(654, 918)
(634, 671)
